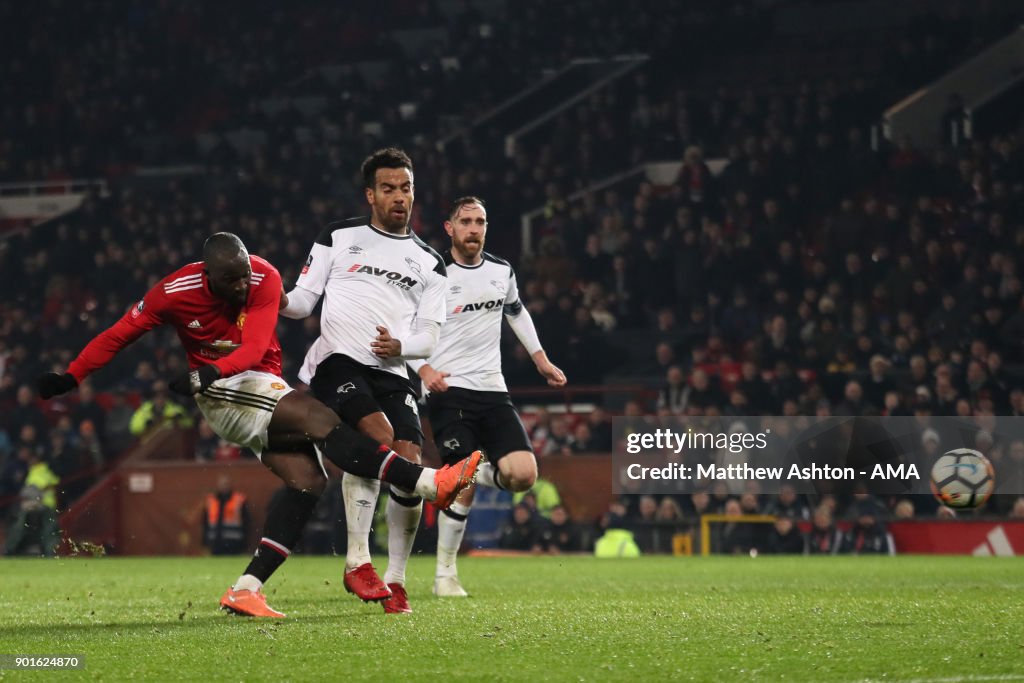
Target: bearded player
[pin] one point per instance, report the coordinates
(224, 310)
(383, 292)
(468, 402)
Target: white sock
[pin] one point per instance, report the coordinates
(360, 504)
(486, 474)
(402, 525)
(248, 582)
(425, 486)
(449, 539)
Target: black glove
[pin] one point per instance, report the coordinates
(195, 381)
(51, 384)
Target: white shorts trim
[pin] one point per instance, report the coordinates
(239, 408)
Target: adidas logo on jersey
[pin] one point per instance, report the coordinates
(194, 325)
(495, 305)
(392, 276)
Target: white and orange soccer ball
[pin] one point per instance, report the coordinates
(963, 478)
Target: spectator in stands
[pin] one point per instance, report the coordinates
(824, 538)
(540, 430)
(904, 509)
(617, 540)
(704, 391)
(674, 395)
(669, 512)
(542, 497)
(582, 440)
(736, 537)
(853, 403)
(158, 411)
(119, 435)
(600, 429)
(1017, 511)
(785, 538)
(560, 534)
(520, 532)
(868, 533)
(226, 519)
(88, 409)
(560, 439)
(878, 383)
(788, 504)
(755, 389)
(26, 412)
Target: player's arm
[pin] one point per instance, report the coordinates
(301, 301)
(426, 329)
(521, 322)
(143, 316)
(433, 379)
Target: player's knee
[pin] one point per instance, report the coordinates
(519, 470)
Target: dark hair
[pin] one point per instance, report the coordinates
(389, 157)
(461, 202)
(222, 246)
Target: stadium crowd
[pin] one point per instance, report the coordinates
(817, 274)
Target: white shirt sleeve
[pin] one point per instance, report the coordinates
(526, 332)
(422, 341)
(512, 303)
(301, 303)
(313, 277)
(433, 301)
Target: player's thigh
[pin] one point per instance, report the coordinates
(240, 408)
(299, 471)
(298, 414)
(347, 388)
(400, 408)
(452, 423)
(502, 432)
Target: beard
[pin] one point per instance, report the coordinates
(468, 249)
(393, 223)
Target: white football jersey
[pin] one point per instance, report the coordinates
(470, 344)
(369, 277)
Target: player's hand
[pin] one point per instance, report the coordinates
(284, 300)
(51, 384)
(384, 346)
(433, 380)
(195, 381)
(551, 373)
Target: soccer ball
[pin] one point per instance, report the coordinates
(962, 478)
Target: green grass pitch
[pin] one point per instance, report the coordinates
(531, 619)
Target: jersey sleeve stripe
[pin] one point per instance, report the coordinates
(195, 276)
(183, 288)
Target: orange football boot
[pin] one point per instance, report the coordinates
(248, 604)
(452, 479)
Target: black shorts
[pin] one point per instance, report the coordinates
(464, 421)
(353, 391)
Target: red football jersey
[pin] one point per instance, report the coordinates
(213, 331)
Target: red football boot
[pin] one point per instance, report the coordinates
(364, 583)
(398, 603)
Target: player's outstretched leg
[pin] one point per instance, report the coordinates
(299, 415)
(287, 516)
(363, 458)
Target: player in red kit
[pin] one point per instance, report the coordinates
(224, 310)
